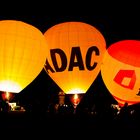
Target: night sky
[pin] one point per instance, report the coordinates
(114, 23)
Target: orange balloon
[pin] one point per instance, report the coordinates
(74, 55)
(22, 55)
(121, 71)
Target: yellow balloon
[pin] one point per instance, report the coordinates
(22, 54)
(74, 55)
(121, 71)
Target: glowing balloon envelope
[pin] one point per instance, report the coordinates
(121, 71)
(22, 54)
(74, 55)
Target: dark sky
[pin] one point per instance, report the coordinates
(115, 23)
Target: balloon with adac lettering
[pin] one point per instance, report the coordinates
(22, 54)
(121, 71)
(74, 55)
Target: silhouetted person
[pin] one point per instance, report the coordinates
(125, 114)
(5, 106)
(124, 109)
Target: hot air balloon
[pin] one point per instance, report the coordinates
(74, 56)
(22, 55)
(121, 71)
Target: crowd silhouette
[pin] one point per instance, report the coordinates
(55, 115)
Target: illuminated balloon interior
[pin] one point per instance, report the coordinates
(121, 71)
(74, 55)
(22, 54)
